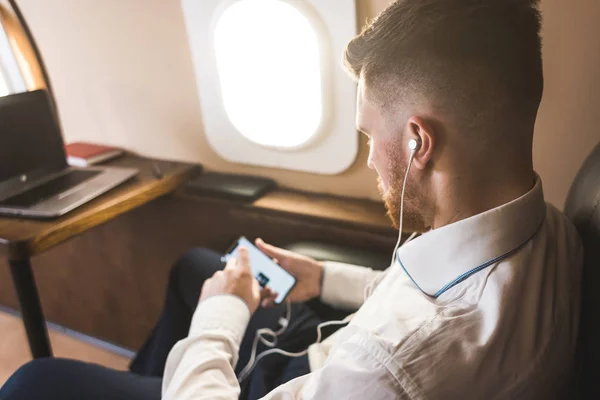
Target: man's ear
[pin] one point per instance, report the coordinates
(422, 131)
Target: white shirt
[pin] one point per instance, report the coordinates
(484, 308)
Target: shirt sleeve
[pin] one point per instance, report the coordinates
(202, 365)
(344, 285)
(355, 371)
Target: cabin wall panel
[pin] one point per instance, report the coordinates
(123, 75)
(110, 281)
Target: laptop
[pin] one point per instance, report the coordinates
(35, 179)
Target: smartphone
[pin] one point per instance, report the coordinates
(266, 271)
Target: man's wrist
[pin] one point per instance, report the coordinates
(227, 294)
(222, 312)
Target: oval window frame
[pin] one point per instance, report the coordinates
(333, 152)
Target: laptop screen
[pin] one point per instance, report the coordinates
(30, 139)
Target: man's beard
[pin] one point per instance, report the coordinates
(414, 217)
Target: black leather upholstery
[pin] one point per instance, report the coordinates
(329, 252)
(583, 208)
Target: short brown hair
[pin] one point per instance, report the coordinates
(478, 58)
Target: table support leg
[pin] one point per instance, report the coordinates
(31, 308)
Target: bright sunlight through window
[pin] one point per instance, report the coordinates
(3, 85)
(270, 72)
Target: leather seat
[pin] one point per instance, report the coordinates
(583, 209)
(344, 254)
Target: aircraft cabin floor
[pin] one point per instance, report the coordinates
(14, 350)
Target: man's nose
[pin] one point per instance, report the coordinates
(370, 162)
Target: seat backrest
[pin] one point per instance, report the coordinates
(583, 209)
(344, 254)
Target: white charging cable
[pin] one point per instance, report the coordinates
(284, 322)
(266, 331)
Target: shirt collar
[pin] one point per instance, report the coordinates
(442, 257)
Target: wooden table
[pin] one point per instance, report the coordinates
(20, 239)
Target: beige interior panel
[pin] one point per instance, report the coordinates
(123, 75)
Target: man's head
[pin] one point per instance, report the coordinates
(463, 76)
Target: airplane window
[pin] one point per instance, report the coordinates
(269, 67)
(271, 90)
(11, 75)
(3, 86)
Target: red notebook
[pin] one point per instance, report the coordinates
(82, 154)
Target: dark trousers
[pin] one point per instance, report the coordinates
(59, 379)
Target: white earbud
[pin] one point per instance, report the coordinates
(414, 145)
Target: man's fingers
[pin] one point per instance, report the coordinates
(243, 259)
(267, 292)
(270, 250)
(268, 303)
(231, 263)
(268, 297)
(240, 262)
(256, 288)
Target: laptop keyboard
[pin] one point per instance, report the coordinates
(49, 189)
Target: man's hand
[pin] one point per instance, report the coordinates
(236, 279)
(307, 271)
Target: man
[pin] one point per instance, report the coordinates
(483, 305)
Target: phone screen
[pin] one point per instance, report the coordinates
(265, 270)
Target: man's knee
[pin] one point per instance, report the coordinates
(31, 378)
(192, 269)
(196, 263)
